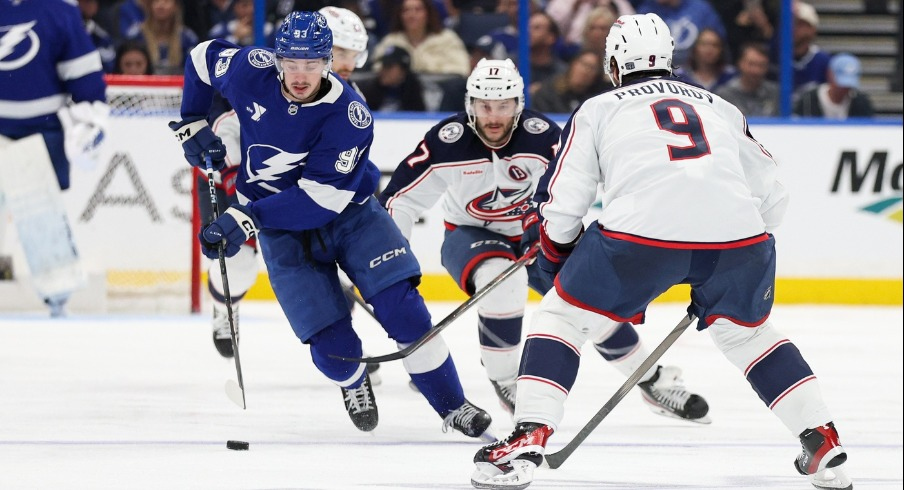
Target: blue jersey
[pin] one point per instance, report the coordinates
(302, 164)
(45, 56)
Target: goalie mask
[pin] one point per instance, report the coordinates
(495, 90)
(348, 32)
(638, 43)
(304, 36)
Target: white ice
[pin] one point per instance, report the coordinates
(134, 402)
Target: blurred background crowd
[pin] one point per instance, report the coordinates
(846, 53)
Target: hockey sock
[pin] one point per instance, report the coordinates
(338, 339)
(499, 342)
(623, 349)
(440, 387)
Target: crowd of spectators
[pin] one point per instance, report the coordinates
(421, 51)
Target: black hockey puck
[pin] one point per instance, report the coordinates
(237, 445)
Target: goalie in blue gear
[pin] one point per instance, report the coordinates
(305, 191)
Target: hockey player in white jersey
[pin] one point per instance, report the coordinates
(349, 52)
(52, 113)
(305, 190)
(486, 177)
(689, 196)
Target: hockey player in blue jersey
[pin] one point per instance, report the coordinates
(52, 112)
(689, 197)
(305, 187)
(487, 176)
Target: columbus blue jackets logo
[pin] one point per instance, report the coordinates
(260, 58)
(359, 115)
(500, 205)
(19, 44)
(450, 133)
(535, 125)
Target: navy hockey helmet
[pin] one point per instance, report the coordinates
(304, 35)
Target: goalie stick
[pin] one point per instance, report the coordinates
(525, 259)
(555, 460)
(235, 391)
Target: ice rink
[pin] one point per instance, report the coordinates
(134, 402)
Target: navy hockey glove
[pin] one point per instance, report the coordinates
(197, 138)
(235, 226)
(530, 230)
(553, 255)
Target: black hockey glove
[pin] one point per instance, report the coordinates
(530, 226)
(235, 226)
(197, 138)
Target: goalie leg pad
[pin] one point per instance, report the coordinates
(32, 196)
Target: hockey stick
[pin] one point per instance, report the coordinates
(235, 391)
(556, 459)
(349, 291)
(525, 259)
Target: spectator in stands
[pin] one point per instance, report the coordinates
(707, 65)
(396, 87)
(132, 58)
(747, 21)
(685, 18)
(838, 98)
(167, 39)
(810, 61)
(416, 27)
(240, 30)
(101, 39)
(599, 22)
(750, 91)
(572, 15)
(564, 93)
(126, 18)
(202, 15)
(545, 63)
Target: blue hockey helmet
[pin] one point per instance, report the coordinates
(304, 35)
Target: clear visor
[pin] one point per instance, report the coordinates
(345, 55)
(494, 108)
(295, 65)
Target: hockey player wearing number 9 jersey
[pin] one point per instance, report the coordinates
(689, 197)
(485, 164)
(304, 189)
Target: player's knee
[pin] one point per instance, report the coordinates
(557, 319)
(401, 311)
(338, 339)
(508, 298)
(742, 345)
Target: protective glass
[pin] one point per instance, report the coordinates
(496, 108)
(296, 66)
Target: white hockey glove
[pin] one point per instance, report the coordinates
(84, 126)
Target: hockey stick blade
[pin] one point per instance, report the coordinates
(525, 259)
(555, 460)
(235, 393)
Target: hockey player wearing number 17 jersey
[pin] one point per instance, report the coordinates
(689, 197)
(484, 164)
(304, 190)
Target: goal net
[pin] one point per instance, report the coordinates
(131, 215)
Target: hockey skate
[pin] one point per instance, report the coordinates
(510, 463)
(470, 420)
(666, 395)
(57, 305)
(361, 405)
(222, 335)
(822, 458)
(505, 390)
(372, 368)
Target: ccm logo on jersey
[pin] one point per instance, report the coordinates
(386, 257)
(481, 243)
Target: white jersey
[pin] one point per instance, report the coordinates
(673, 160)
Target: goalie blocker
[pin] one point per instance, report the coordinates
(30, 191)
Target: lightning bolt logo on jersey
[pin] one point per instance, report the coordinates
(11, 38)
(479, 186)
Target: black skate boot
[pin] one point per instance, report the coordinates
(361, 405)
(470, 420)
(222, 336)
(505, 390)
(666, 395)
(822, 458)
(510, 463)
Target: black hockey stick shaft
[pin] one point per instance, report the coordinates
(525, 259)
(554, 460)
(221, 255)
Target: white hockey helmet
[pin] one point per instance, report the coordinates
(639, 43)
(348, 31)
(494, 80)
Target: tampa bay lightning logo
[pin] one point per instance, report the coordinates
(359, 115)
(268, 165)
(19, 44)
(500, 205)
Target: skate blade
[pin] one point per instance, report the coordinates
(490, 476)
(235, 393)
(488, 436)
(704, 420)
(831, 479)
